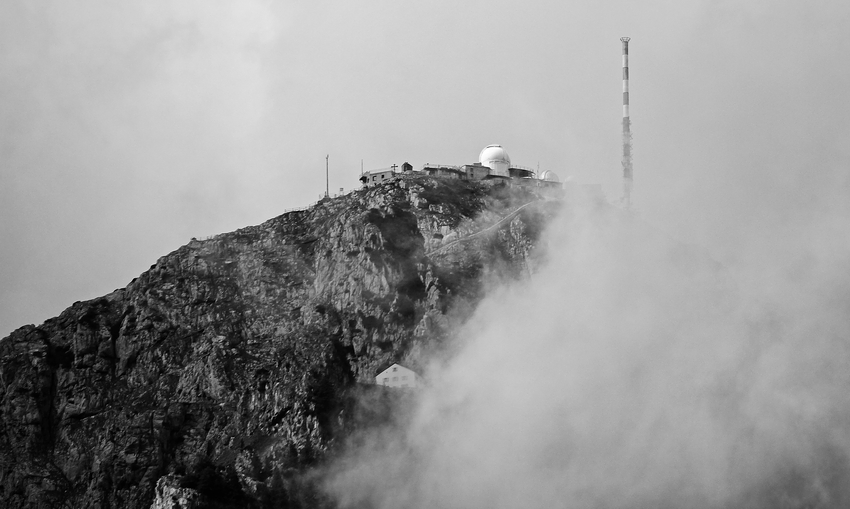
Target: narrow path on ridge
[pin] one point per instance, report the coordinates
(481, 232)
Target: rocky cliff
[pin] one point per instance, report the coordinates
(220, 376)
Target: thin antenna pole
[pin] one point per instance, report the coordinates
(627, 134)
(327, 178)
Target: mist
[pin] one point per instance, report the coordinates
(129, 128)
(696, 354)
(632, 371)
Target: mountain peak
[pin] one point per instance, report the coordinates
(237, 357)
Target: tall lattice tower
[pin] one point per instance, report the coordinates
(627, 132)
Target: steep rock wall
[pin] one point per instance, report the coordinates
(223, 372)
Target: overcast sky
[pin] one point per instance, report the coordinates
(126, 128)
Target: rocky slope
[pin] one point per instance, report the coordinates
(221, 375)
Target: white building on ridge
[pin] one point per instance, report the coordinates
(495, 158)
(493, 164)
(397, 376)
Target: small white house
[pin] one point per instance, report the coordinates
(397, 376)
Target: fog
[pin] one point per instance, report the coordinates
(128, 128)
(694, 355)
(629, 372)
(632, 371)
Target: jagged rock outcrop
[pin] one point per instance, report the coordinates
(217, 377)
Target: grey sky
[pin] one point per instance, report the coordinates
(128, 128)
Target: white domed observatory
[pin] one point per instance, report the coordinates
(549, 176)
(495, 158)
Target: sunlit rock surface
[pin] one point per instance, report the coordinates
(222, 375)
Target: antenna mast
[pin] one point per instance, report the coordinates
(627, 133)
(327, 179)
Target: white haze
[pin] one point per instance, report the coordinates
(126, 128)
(633, 372)
(615, 377)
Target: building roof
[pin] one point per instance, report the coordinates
(394, 365)
(549, 176)
(494, 154)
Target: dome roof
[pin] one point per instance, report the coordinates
(494, 154)
(495, 158)
(550, 176)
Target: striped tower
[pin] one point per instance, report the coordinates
(627, 133)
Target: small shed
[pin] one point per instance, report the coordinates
(451, 172)
(522, 173)
(476, 171)
(375, 177)
(397, 376)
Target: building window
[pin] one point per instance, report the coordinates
(404, 378)
(395, 379)
(386, 381)
(395, 369)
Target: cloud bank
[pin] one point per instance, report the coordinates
(633, 371)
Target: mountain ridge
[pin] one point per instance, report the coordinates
(232, 361)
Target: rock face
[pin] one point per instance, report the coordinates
(221, 375)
